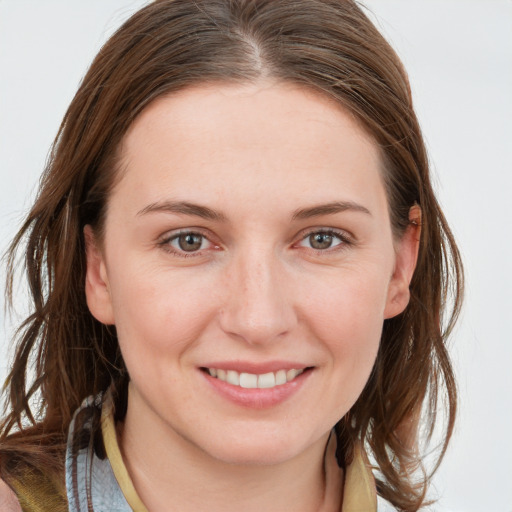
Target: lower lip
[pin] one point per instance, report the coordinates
(257, 398)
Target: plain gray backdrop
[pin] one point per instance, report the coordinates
(459, 57)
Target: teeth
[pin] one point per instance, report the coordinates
(233, 377)
(253, 381)
(280, 377)
(248, 380)
(267, 380)
(291, 374)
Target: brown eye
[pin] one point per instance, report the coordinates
(189, 242)
(320, 240)
(186, 244)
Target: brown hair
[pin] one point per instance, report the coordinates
(327, 45)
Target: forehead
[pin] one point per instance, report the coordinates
(220, 139)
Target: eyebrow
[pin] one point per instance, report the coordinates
(184, 208)
(329, 209)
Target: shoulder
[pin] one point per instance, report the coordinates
(8, 500)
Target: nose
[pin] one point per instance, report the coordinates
(259, 306)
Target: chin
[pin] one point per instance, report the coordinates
(259, 448)
(259, 455)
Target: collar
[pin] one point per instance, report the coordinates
(359, 492)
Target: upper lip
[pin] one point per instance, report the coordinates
(255, 368)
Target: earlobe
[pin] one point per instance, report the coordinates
(405, 264)
(97, 290)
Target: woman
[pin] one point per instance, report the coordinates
(239, 273)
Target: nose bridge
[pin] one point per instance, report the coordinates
(259, 307)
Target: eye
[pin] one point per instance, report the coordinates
(322, 240)
(186, 243)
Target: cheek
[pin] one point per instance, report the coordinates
(158, 313)
(349, 305)
(348, 316)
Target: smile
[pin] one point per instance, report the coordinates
(254, 381)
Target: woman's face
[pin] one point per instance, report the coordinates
(248, 240)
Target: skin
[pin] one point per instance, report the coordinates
(8, 500)
(255, 291)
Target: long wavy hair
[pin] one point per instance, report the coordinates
(329, 46)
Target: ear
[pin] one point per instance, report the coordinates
(97, 289)
(405, 263)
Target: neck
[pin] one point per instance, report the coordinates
(165, 468)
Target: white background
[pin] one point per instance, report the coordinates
(459, 56)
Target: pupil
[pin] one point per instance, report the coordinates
(190, 242)
(320, 241)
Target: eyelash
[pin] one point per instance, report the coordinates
(345, 241)
(165, 244)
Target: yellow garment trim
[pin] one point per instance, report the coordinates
(39, 493)
(359, 493)
(115, 458)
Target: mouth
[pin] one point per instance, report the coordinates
(256, 386)
(246, 380)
